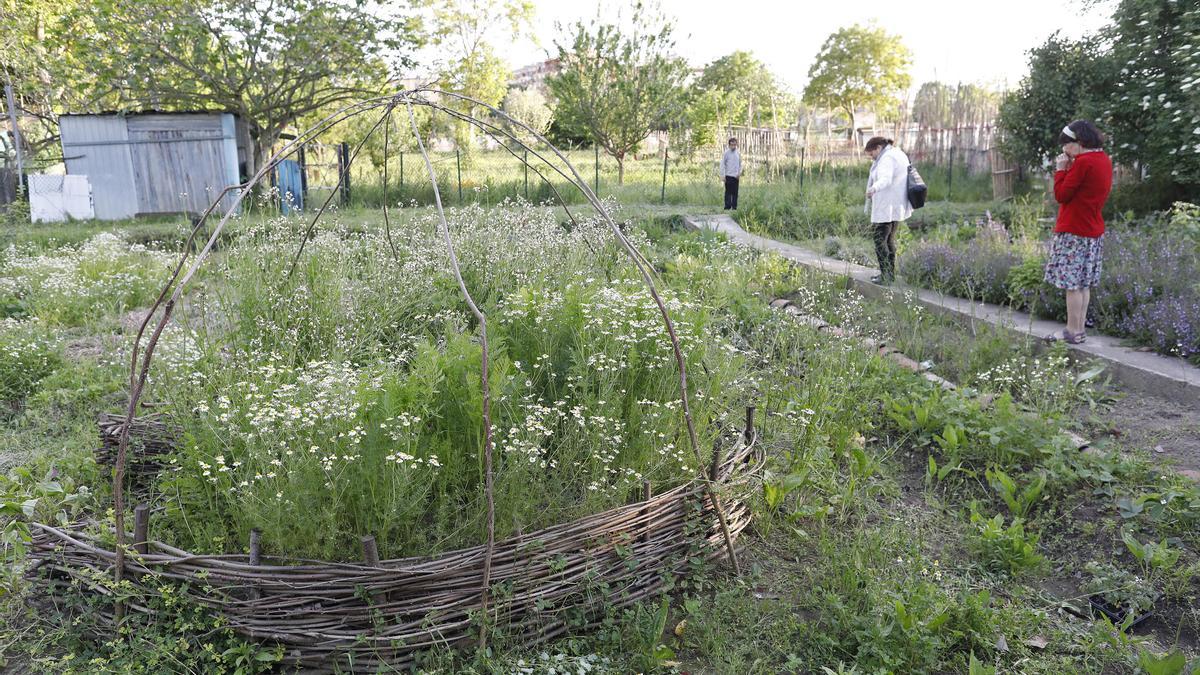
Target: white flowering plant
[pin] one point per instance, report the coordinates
(29, 351)
(343, 398)
(81, 285)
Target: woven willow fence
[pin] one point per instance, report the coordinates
(365, 616)
(360, 617)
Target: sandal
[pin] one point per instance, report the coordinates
(1067, 337)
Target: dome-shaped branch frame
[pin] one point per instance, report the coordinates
(552, 159)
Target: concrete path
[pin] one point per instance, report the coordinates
(1170, 378)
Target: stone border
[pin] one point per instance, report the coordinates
(1147, 372)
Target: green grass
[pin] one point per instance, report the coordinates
(491, 177)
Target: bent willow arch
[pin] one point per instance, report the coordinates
(319, 610)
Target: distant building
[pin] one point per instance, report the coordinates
(535, 74)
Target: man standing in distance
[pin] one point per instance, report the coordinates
(731, 171)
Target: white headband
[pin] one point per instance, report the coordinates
(1067, 131)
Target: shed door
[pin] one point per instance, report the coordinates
(178, 162)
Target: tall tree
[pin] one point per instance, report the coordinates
(1152, 108)
(617, 84)
(1139, 79)
(270, 61)
(37, 56)
(530, 107)
(932, 104)
(749, 85)
(859, 67)
(1061, 74)
(463, 31)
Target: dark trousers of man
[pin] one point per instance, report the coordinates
(731, 186)
(885, 249)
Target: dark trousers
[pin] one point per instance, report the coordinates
(731, 187)
(885, 249)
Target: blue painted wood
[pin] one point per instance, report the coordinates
(291, 187)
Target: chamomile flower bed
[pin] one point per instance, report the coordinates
(343, 399)
(75, 285)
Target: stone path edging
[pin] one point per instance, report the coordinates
(1147, 372)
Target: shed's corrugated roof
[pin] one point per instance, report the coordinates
(133, 113)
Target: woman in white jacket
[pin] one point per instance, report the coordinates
(887, 197)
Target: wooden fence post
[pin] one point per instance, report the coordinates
(370, 551)
(141, 529)
(748, 433)
(950, 175)
(646, 494)
(458, 165)
(663, 196)
(803, 152)
(344, 171)
(255, 546)
(255, 555)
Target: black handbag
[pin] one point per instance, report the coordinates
(916, 188)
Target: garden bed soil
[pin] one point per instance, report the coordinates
(1166, 429)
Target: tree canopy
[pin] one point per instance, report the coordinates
(469, 63)
(1139, 79)
(616, 84)
(271, 62)
(756, 97)
(37, 56)
(530, 107)
(859, 67)
(1061, 73)
(1151, 101)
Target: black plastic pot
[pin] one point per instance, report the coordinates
(1116, 614)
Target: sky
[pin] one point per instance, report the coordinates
(978, 41)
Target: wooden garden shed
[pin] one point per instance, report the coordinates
(154, 163)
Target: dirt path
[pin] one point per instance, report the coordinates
(1166, 429)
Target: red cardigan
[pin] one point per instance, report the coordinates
(1081, 192)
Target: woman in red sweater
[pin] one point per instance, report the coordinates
(1082, 181)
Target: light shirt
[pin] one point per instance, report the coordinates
(889, 182)
(731, 164)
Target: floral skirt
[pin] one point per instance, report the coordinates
(1074, 261)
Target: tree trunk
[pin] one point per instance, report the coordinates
(853, 123)
(620, 168)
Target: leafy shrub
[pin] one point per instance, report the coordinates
(1026, 279)
(941, 216)
(177, 635)
(1121, 589)
(964, 433)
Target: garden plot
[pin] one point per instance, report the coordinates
(899, 527)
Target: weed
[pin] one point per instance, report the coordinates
(1005, 549)
(1019, 503)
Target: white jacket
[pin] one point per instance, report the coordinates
(889, 183)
